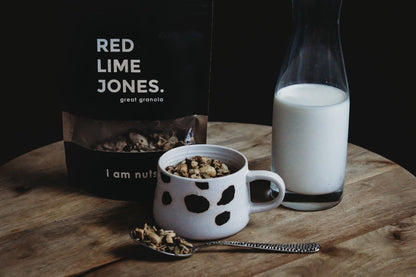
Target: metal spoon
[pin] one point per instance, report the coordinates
(298, 248)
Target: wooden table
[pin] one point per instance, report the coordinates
(51, 229)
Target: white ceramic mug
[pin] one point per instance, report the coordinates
(205, 209)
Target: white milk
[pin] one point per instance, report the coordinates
(310, 136)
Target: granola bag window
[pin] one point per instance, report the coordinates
(137, 86)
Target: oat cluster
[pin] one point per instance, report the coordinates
(164, 240)
(199, 167)
(134, 141)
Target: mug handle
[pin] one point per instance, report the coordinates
(268, 176)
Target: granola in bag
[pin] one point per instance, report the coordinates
(138, 85)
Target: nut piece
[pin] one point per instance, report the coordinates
(138, 139)
(183, 170)
(169, 238)
(204, 160)
(153, 237)
(140, 233)
(207, 169)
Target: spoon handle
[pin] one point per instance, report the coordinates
(310, 247)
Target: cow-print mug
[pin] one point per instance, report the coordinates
(206, 209)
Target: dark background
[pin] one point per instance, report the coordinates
(250, 40)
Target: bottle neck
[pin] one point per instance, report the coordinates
(316, 12)
(315, 54)
(316, 25)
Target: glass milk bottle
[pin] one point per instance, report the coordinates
(311, 109)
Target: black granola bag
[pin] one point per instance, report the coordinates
(137, 85)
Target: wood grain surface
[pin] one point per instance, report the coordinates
(51, 229)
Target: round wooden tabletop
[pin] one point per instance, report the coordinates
(49, 228)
